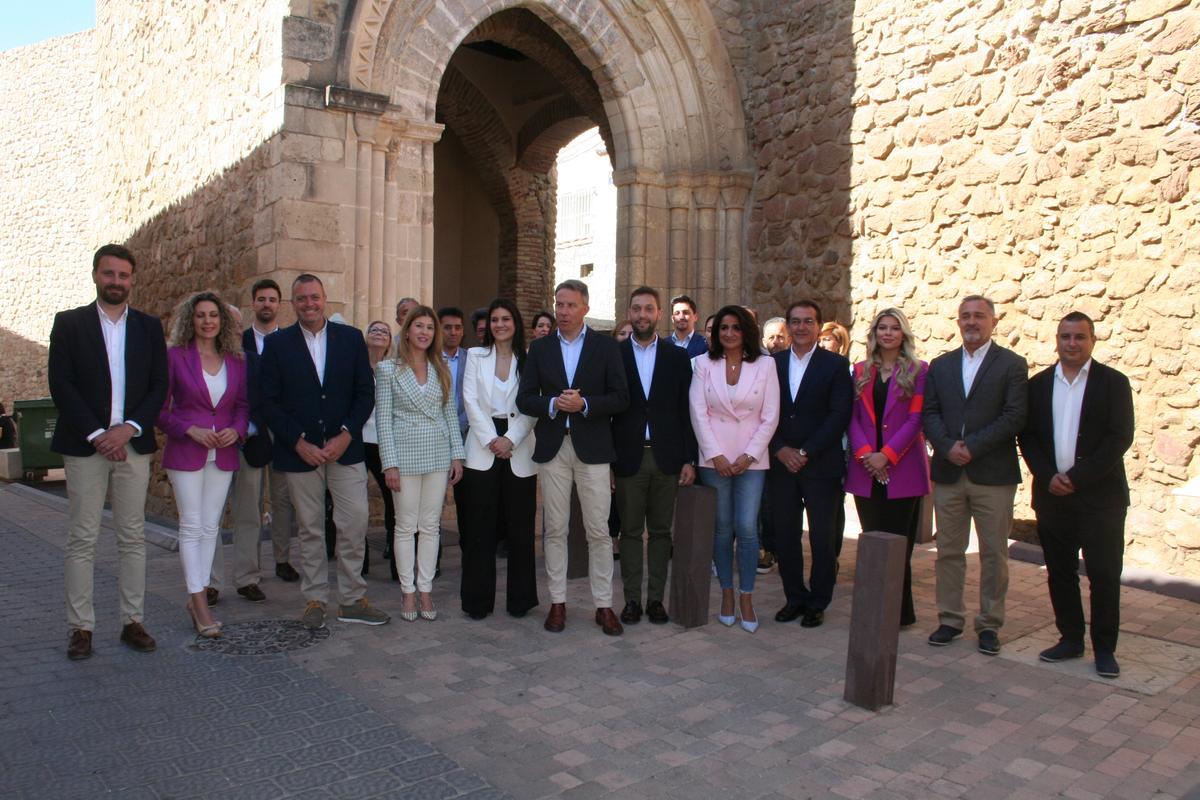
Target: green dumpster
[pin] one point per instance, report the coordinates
(35, 421)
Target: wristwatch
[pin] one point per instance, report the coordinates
(803, 452)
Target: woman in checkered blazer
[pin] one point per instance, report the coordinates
(421, 450)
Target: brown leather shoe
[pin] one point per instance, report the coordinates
(80, 645)
(608, 622)
(136, 637)
(556, 620)
(211, 595)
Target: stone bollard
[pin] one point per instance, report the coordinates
(875, 620)
(691, 561)
(577, 543)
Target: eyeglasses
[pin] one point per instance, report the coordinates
(384, 331)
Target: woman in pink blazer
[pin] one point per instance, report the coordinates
(888, 473)
(205, 419)
(734, 400)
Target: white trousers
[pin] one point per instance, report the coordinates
(418, 509)
(200, 497)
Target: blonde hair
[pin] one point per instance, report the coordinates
(907, 363)
(183, 325)
(838, 331)
(404, 356)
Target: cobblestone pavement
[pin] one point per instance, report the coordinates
(499, 707)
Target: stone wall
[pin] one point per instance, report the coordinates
(1042, 153)
(46, 146)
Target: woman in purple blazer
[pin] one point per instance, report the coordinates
(888, 473)
(205, 418)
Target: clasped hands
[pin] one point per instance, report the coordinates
(570, 401)
(316, 456)
(726, 469)
(959, 455)
(877, 465)
(1061, 485)
(792, 459)
(501, 447)
(210, 439)
(111, 443)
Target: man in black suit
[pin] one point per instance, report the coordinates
(256, 453)
(1080, 425)
(108, 379)
(807, 465)
(656, 454)
(317, 391)
(572, 383)
(975, 405)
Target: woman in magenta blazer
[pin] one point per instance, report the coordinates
(734, 400)
(205, 419)
(888, 473)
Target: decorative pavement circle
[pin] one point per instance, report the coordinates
(260, 637)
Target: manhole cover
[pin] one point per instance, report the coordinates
(261, 637)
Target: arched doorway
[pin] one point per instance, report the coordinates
(656, 81)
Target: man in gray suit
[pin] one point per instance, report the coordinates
(975, 405)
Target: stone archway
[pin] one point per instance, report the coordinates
(681, 159)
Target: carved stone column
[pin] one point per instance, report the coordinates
(679, 278)
(706, 198)
(733, 200)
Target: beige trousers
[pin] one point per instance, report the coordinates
(348, 486)
(591, 482)
(991, 508)
(89, 480)
(247, 524)
(418, 511)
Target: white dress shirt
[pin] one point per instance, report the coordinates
(684, 342)
(797, 366)
(971, 362)
(114, 348)
(643, 357)
(1067, 405)
(571, 350)
(316, 343)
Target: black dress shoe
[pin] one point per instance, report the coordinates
(1107, 666)
(286, 573)
(211, 595)
(813, 617)
(477, 614)
(632, 613)
(1063, 651)
(790, 612)
(252, 593)
(656, 613)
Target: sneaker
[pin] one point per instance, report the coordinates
(314, 615)
(1107, 666)
(989, 643)
(944, 635)
(1063, 651)
(766, 561)
(363, 613)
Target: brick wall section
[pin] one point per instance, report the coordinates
(1042, 153)
(46, 146)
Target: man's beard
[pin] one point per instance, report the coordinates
(114, 295)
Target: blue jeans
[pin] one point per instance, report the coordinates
(737, 516)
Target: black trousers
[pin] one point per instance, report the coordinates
(791, 496)
(375, 467)
(499, 503)
(1066, 528)
(900, 516)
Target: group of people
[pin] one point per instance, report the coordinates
(775, 420)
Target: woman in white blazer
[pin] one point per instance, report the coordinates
(421, 450)
(734, 401)
(500, 478)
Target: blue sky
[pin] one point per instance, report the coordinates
(24, 22)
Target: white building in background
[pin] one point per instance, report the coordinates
(585, 242)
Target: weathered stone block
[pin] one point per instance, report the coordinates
(307, 39)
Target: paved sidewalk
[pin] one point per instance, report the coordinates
(500, 707)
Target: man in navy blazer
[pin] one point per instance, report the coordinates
(683, 320)
(1080, 425)
(656, 454)
(317, 391)
(807, 464)
(255, 458)
(573, 383)
(108, 378)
